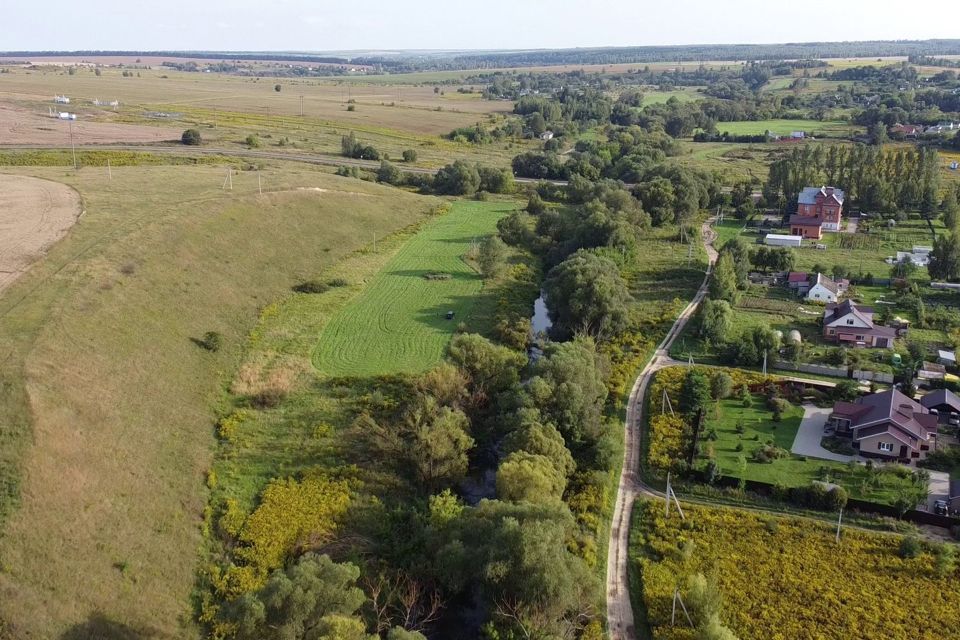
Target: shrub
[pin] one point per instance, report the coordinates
(277, 88)
(311, 286)
(211, 341)
(338, 282)
(351, 107)
(409, 155)
(191, 137)
(909, 547)
(252, 141)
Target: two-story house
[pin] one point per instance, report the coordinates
(853, 326)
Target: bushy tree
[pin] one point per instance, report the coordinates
(314, 598)
(716, 321)
(409, 155)
(529, 477)
(491, 255)
(191, 137)
(388, 173)
(535, 436)
(457, 179)
(694, 392)
(723, 280)
(585, 293)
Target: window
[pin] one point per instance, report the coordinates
(829, 332)
(885, 446)
(849, 321)
(858, 338)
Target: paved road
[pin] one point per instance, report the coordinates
(620, 621)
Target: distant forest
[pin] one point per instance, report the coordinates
(429, 61)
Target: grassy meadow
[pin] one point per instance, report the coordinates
(108, 405)
(398, 324)
(815, 128)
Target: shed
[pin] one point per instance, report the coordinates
(946, 358)
(782, 240)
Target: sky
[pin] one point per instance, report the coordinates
(315, 25)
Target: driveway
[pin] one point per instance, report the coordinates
(852, 224)
(807, 442)
(939, 487)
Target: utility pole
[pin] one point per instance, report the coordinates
(839, 521)
(301, 106)
(109, 172)
(764, 363)
(259, 184)
(73, 149)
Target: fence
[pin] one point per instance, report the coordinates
(919, 517)
(875, 376)
(819, 369)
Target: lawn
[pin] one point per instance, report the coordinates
(398, 324)
(684, 94)
(108, 405)
(788, 577)
(732, 426)
(818, 129)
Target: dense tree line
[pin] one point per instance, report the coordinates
(874, 179)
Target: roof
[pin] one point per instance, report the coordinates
(835, 311)
(939, 397)
(809, 194)
(827, 283)
(797, 276)
(805, 221)
(947, 355)
(891, 412)
(782, 236)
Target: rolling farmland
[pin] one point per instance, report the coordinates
(398, 323)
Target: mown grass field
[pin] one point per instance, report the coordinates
(816, 128)
(107, 411)
(683, 94)
(398, 324)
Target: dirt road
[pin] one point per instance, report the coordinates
(620, 621)
(34, 214)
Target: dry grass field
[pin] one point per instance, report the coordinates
(20, 125)
(417, 109)
(107, 405)
(34, 214)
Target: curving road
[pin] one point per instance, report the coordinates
(620, 623)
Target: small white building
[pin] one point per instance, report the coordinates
(546, 135)
(61, 99)
(782, 240)
(824, 289)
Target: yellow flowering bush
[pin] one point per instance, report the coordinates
(787, 579)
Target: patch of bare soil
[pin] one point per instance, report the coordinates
(34, 214)
(22, 126)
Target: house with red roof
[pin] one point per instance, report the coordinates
(886, 425)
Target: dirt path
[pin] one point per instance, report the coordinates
(34, 214)
(620, 621)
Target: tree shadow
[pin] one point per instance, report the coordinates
(100, 627)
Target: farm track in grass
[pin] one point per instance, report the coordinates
(398, 323)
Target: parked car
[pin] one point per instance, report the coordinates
(940, 508)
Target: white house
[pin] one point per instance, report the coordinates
(782, 240)
(546, 135)
(825, 289)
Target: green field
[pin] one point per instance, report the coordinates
(816, 128)
(684, 94)
(398, 323)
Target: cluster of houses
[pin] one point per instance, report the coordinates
(916, 130)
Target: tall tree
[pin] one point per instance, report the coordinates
(723, 282)
(945, 258)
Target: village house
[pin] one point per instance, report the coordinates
(906, 130)
(850, 325)
(818, 210)
(886, 425)
(824, 289)
(942, 402)
(799, 281)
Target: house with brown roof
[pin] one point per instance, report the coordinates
(886, 425)
(823, 204)
(806, 227)
(906, 130)
(851, 325)
(798, 281)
